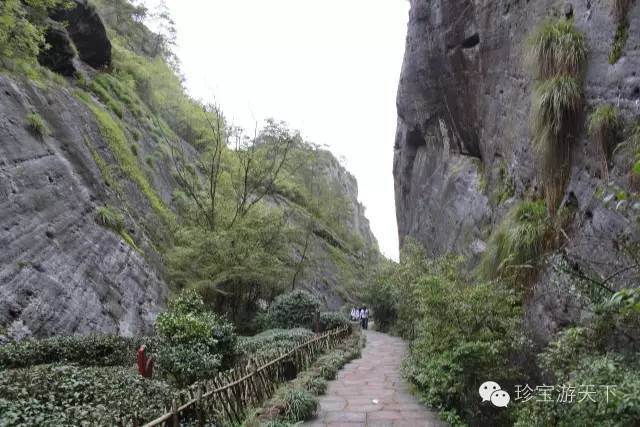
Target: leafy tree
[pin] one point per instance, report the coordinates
(23, 26)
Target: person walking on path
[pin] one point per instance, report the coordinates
(364, 316)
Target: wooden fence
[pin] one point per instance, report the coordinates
(227, 396)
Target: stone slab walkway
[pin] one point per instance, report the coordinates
(370, 391)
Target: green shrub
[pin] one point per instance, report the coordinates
(517, 245)
(292, 310)
(381, 295)
(60, 395)
(22, 28)
(37, 125)
(587, 356)
(332, 320)
(299, 405)
(90, 350)
(272, 342)
(619, 41)
(556, 48)
(194, 342)
(469, 332)
(314, 385)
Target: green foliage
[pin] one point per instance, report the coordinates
(626, 300)
(61, 395)
(194, 342)
(619, 41)
(557, 54)
(90, 350)
(604, 125)
(470, 332)
(332, 320)
(115, 138)
(109, 217)
(37, 125)
(517, 245)
(22, 29)
(314, 385)
(299, 405)
(292, 310)
(588, 356)
(555, 48)
(557, 103)
(272, 342)
(112, 218)
(394, 284)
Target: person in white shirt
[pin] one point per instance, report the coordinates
(364, 317)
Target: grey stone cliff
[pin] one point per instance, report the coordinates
(463, 132)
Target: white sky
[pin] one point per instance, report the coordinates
(329, 68)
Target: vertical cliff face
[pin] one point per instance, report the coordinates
(463, 152)
(87, 186)
(60, 271)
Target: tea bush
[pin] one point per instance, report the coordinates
(63, 395)
(272, 342)
(91, 350)
(292, 310)
(194, 342)
(332, 320)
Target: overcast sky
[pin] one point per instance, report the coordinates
(329, 68)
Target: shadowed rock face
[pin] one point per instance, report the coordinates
(463, 113)
(89, 35)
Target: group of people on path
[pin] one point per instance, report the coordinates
(360, 315)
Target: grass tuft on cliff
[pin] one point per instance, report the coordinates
(556, 47)
(37, 125)
(557, 103)
(555, 115)
(619, 41)
(113, 219)
(515, 248)
(603, 127)
(115, 137)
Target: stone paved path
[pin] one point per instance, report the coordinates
(370, 391)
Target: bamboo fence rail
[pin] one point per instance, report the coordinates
(226, 396)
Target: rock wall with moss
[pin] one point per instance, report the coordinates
(465, 155)
(88, 206)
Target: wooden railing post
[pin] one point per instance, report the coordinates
(175, 419)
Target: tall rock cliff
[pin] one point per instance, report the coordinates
(87, 187)
(463, 150)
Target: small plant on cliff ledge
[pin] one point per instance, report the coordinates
(604, 124)
(517, 245)
(37, 125)
(556, 47)
(619, 41)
